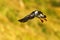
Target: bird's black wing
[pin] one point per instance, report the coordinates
(26, 18)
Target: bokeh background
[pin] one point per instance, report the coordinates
(13, 10)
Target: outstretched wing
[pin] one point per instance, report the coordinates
(26, 18)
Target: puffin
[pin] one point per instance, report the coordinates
(32, 15)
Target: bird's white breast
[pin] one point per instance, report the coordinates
(36, 12)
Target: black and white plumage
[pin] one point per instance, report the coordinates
(34, 14)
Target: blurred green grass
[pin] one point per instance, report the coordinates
(13, 10)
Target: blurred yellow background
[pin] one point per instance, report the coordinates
(13, 10)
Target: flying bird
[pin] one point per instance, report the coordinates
(34, 14)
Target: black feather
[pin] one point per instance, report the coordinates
(35, 13)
